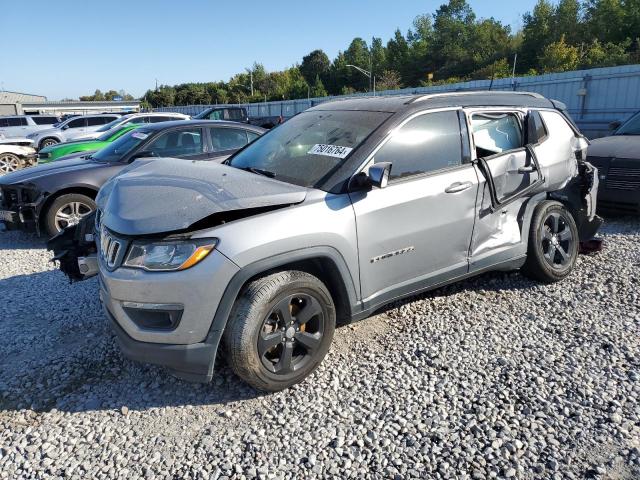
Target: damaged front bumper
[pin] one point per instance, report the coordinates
(20, 208)
(163, 318)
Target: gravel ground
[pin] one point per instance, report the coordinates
(496, 377)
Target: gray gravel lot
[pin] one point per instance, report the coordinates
(496, 377)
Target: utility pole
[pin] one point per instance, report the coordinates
(156, 84)
(513, 72)
(250, 72)
(368, 74)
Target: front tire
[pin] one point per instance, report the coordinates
(67, 210)
(553, 243)
(47, 142)
(280, 329)
(9, 163)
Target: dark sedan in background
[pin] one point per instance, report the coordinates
(53, 196)
(618, 160)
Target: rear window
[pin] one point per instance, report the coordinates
(17, 121)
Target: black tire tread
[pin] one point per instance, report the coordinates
(535, 266)
(247, 312)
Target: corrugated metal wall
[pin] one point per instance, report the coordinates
(594, 97)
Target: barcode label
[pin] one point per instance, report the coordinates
(330, 150)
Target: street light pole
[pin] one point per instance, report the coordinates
(370, 76)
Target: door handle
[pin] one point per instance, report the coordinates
(528, 169)
(458, 187)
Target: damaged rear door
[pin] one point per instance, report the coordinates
(504, 144)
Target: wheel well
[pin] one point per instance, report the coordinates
(326, 270)
(81, 190)
(46, 138)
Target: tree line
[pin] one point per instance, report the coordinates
(448, 46)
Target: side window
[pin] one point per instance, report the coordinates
(77, 123)
(251, 136)
(233, 114)
(496, 133)
(425, 144)
(16, 121)
(216, 115)
(94, 121)
(536, 131)
(178, 143)
(227, 139)
(139, 120)
(45, 120)
(161, 119)
(4, 122)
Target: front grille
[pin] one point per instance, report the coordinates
(111, 248)
(622, 178)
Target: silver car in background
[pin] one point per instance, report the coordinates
(70, 129)
(327, 218)
(137, 118)
(15, 126)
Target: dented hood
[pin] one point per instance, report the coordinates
(166, 195)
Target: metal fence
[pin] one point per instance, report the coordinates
(594, 97)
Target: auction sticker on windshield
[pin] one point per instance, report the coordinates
(139, 135)
(330, 150)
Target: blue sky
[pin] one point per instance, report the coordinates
(67, 48)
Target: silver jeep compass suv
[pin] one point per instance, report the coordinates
(325, 219)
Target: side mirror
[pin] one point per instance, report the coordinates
(379, 174)
(144, 154)
(615, 125)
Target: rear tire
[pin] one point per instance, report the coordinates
(67, 210)
(47, 142)
(553, 243)
(279, 330)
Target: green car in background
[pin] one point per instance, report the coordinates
(54, 152)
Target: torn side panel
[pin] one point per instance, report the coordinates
(495, 230)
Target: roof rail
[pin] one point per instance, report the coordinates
(473, 92)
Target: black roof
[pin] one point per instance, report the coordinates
(397, 103)
(181, 123)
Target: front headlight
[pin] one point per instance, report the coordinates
(168, 255)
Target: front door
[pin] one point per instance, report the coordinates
(416, 231)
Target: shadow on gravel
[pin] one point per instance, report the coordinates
(57, 351)
(16, 240)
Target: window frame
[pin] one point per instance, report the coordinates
(221, 127)
(419, 176)
(203, 140)
(522, 114)
(71, 120)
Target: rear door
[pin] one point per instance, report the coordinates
(503, 142)
(416, 231)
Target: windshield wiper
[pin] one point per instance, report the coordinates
(259, 171)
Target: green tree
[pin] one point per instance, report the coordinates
(398, 53)
(537, 33)
(559, 57)
(317, 89)
(605, 55)
(606, 20)
(314, 65)
(453, 27)
(358, 54)
(389, 80)
(567, 22)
